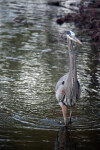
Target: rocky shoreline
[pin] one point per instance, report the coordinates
(87, 18)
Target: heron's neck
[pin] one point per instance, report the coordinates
(72, 57)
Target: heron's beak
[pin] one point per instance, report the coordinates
(74, 39)
(77, 40)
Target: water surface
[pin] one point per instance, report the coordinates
(33, 56)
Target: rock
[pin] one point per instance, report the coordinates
(87, 18)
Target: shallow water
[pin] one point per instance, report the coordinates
(33, 56)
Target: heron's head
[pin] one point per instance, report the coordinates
(71, 35)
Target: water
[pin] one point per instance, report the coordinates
(33, 56)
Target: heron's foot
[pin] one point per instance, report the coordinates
(66, 127)
(70, 121)
(65, 123)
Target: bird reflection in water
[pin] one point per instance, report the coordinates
(64, 140)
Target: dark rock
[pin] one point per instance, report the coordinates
(88, 18)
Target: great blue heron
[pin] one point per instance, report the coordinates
(68, 87)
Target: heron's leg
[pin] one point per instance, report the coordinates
(71, 109)
(64, 110)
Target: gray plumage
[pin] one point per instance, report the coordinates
(68, 87)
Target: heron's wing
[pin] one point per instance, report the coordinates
(63, 96)
(71, 97)
(78, 90)
(61, 81)
(60, 87)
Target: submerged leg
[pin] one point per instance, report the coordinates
(71, 109)
(64, 109)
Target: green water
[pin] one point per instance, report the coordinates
(33, 56)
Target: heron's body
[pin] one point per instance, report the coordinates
(68, 87)
(61, 92)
